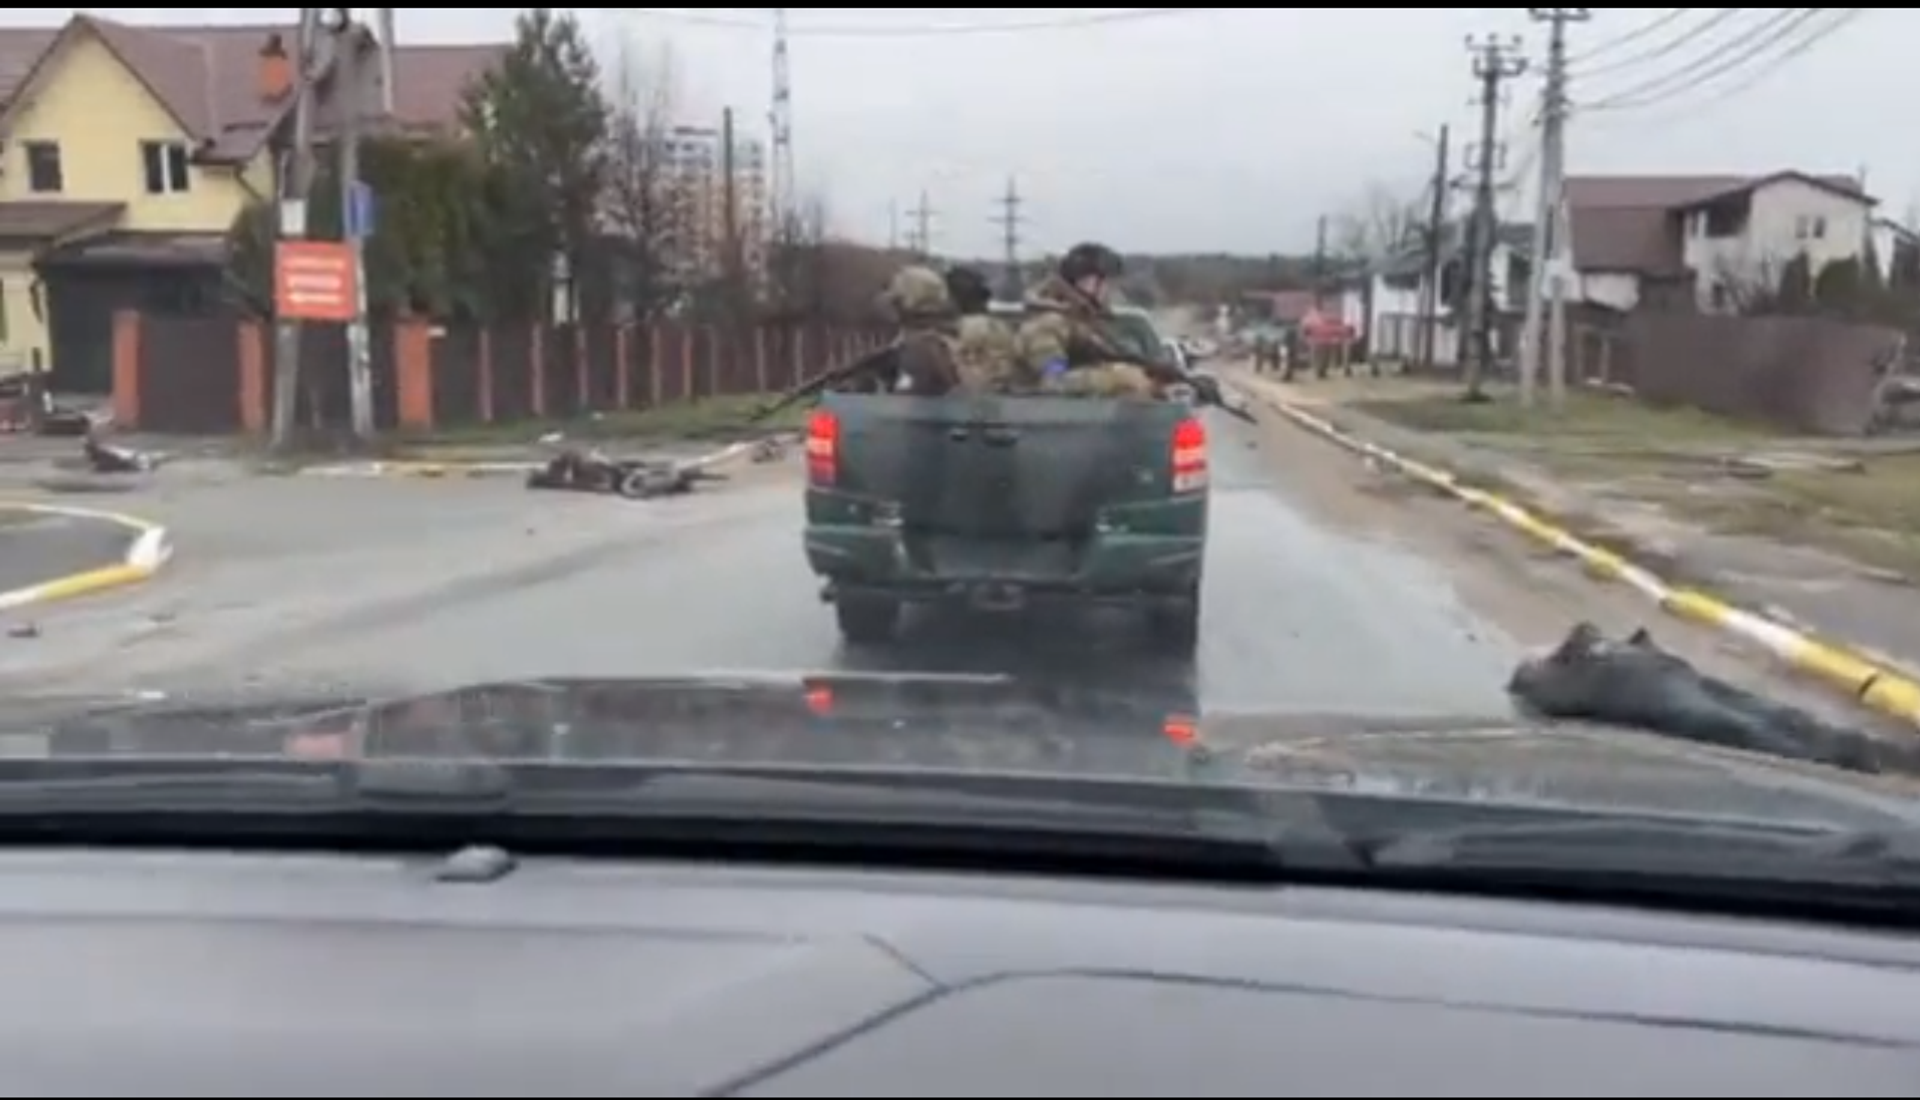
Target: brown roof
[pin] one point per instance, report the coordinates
(36, 219)
(1632, 223)
(207, 76)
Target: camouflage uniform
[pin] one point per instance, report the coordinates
(1064, 348)
(926, 348)
(1105, 380)
(988, 355)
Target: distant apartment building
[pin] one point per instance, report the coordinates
(696, 185)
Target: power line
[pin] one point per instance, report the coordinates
(1839, 18)
(1730, 56)
(1652, 26)
(1083, 21)
(1755, 77)
(1670, 46)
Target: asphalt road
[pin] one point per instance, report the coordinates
(39, 548)
(402, 584)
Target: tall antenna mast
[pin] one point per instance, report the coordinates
(780, 195)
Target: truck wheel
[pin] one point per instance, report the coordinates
(1174, 628)
(867, 618)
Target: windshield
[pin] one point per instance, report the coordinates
(1137, 331)
(589, 435)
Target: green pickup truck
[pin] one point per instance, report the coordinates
(1001, 502)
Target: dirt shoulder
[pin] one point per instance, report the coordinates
(1823, 534)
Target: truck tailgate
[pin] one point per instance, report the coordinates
(986, 467)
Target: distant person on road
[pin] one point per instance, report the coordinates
(1065, 345)
(987, 354)
(925, 348)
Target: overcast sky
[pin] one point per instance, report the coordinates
(1221, 129)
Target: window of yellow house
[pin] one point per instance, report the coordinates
(165, 166)
(44, 175)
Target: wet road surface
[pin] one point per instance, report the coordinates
(456, 587)
(39, 548)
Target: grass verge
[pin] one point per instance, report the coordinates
(1867, 509)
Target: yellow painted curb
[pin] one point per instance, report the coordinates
(91, 581)
(147, 552)
(1879, 688)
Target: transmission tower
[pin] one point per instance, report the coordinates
(780, 119)
(1009, 221)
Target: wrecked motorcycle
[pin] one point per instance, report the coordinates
(586, 471)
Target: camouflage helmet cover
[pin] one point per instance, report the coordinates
(917, 291)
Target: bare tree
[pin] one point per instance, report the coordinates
(1381, 223)
(642, 206)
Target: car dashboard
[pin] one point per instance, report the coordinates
(191, 974)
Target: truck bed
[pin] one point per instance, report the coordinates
(993, 468)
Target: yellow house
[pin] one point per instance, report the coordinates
(125, 155)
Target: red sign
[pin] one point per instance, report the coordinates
(314, 281)
(1324, 328)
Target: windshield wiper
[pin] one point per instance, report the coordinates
(885, 810)
(1711, 853)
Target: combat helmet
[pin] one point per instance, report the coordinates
(1090, 259)
(918, 291)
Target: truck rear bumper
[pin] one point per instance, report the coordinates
(1114, 568)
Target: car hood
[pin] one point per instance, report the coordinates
(1003, 724)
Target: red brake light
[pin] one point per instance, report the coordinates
(1189, 456)
(820, 700)
(1191, 434)
(823, 447)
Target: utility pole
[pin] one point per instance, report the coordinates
(1009, 220)
(893, 225)
(296, 184)
(1436, 229)
(1319, 261)
(355, 210)
(730, 212)
(1495, 61)
(921, 235)
(1546, 291)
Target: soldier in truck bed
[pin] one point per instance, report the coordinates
(1064, 343)
(925, 349)
(988, 358)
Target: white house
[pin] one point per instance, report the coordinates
(1698, 240)
(1398, 289)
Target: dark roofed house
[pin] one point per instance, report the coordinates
(1686, 240)
(128, 152)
